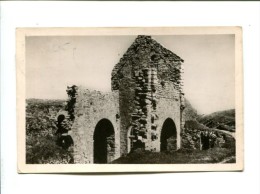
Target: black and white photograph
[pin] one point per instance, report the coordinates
(129, 99)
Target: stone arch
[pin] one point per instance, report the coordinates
(168, 136)
(104, 142)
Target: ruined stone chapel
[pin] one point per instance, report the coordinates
(143, 111)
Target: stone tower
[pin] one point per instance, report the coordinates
(143, 111)
(148, 78)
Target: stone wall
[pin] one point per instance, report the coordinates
(127, 106)
(90, 108)
(169, 107)
(145, 104)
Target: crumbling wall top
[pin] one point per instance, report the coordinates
(145, 52)
(143, 46)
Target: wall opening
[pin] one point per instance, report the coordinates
(207, 140)
(168, 136)
(205, 143)
(130, 136)
(104, 142)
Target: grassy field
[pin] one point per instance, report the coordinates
(214, 155)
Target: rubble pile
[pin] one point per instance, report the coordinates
(197, 136)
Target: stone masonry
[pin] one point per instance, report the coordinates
(143, 111)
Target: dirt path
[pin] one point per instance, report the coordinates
(233, 134)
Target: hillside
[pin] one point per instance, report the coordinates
(189, 113)
(223, 120)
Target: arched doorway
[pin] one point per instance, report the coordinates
(168, 136)
(104, 142)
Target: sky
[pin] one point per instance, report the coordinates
(55, 62)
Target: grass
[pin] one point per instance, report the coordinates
(214, 155)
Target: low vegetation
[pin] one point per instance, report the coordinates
(182, 156)
(42, 149)
(41, 145)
